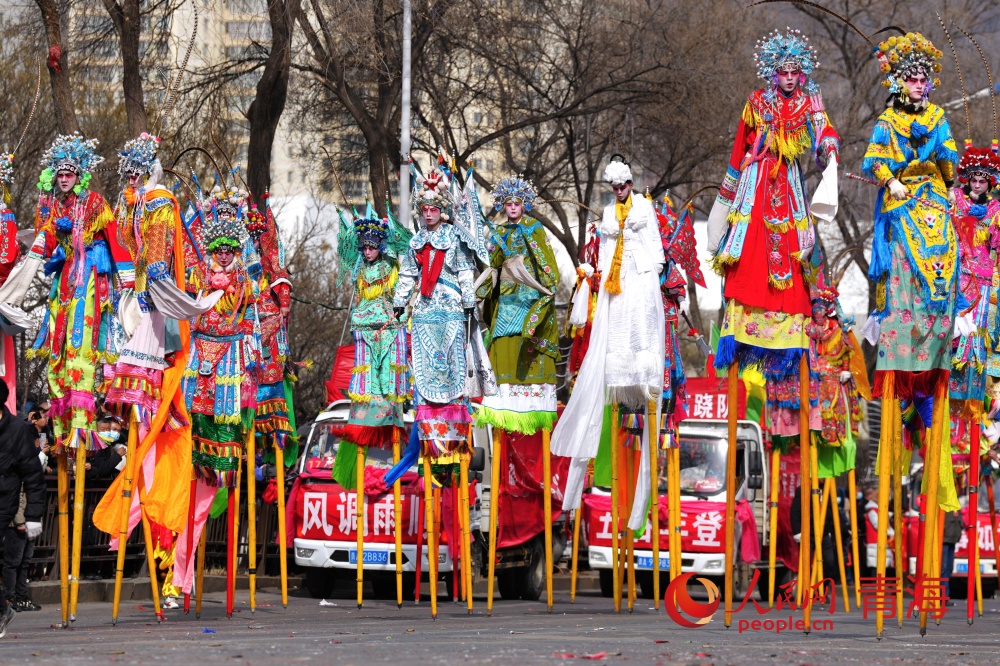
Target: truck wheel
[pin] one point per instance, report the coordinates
(989, 588)
(958, 588)
(607, 583)
(384, 585)
(320, 582)
(510, 582)
(645, 581)
(534, 573)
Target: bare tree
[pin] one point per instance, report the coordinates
(58, 64)
(126, 17)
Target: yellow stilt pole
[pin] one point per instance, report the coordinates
(654, 497)
(818, 516)
(817, 570)
(831, 492)
(979, 574)
(432, 549)
(852, 490)
(62, 476)
(730, 495)
(200, 573)
(616, 581)
(772, 521)
(251, 448)
(397, 512)
(805, 446)
(463, 513)
(576, 553)
(630, 534)
(78, 499)
(130, 467)
(886, 433)
(494, 510)
(932, 468)
(147, 536)
(359, 493)
(279, 464)
(547, 510)
(897, 513)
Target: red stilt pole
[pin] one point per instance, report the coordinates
(973, 481)
(420, 546)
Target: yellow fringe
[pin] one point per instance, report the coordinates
(613, 284)
(372, 290)
(982, 235)
(779, 284)
(360, 369)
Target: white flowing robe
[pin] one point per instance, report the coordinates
(624, 362)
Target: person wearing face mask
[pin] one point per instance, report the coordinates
(108, 461)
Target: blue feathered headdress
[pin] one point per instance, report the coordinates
(514, 188)
(69, 152)
(138, 157)
(777, 51)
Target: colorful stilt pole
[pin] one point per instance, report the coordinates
(418, 565)
(772, 521)
(818, 516)
(805, 446)
(831, 492)
(189, 535)
(230, 552)
(150, 559)
(852, 491)
(458, 580)
(251, 448)
(126, 506)
(359, 504)
(62, 477)
(974, 593)
(279, 464)
(397, 512)
(676, 545)
(630, 534)
(886, 434)
(654, 498)
(199, 585)
(432, 550)
(463, 497)
(616, 580)
(78, 499)
(494, 510)
(931, 470)
(730, 496)
(547, 510)
(574, 565)
(897, 513)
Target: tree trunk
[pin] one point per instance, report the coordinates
(58, 64)
(269, 102)
(125, 16)
(380, 157)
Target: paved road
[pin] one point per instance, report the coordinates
(519, 633)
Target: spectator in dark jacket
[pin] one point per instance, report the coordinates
(831, 567)
(953, 527)
(20, 469)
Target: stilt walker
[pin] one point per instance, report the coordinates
(624, 363)
(523, 340)
(437, 271)
(369, 251)
(914, 264)
(764, 239)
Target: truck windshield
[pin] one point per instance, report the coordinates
(703, 465)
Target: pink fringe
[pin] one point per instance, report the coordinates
(454, 413)
(73, 400)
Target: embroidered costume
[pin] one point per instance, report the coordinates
(524, 335)
(765, 254)
(75, 232)
(10, 253)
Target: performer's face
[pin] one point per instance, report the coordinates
(788, 79)
(622, 191)
(134, 180)
(514, 210)
(371, 253)
(66, 180)
(978, 185)
(431, 215)
(224, 256)
(916, 84)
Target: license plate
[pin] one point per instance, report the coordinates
(643, 562)
(962, 568)
(370, 557)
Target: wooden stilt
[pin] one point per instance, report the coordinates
(730, 495)
(805, 446)
(126, 507)
(931, 470)
(818, 572)
(189, 536)
(495, 458)
(547, 510)
(897, 510)
(852, 491)
(231, 552)
(818, 517)
(150, 559)
(630, 466)
(78, 499)
(279, 464)
(418, 565)
(772, 521)
(200, 573)
(432, 549)
(831, 491)
(457, 579)
(654, 497)
(359, 515)
(616, 581)
(574, 565)
(937, 562)
(251, 449)
(463, 496)
(397, 513)
(884, 481)
(62, 477)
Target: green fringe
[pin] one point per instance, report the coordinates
(525, 423)
(345, 465)
(220, 504)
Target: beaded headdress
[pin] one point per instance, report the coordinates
(228, 200)
(789, 51)
(371, 232)
(219, 231)
(69, 152)
(514, 188)
(434, 189)
(138, 157)
(6, 168)
(979, 162)
(907, 55)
